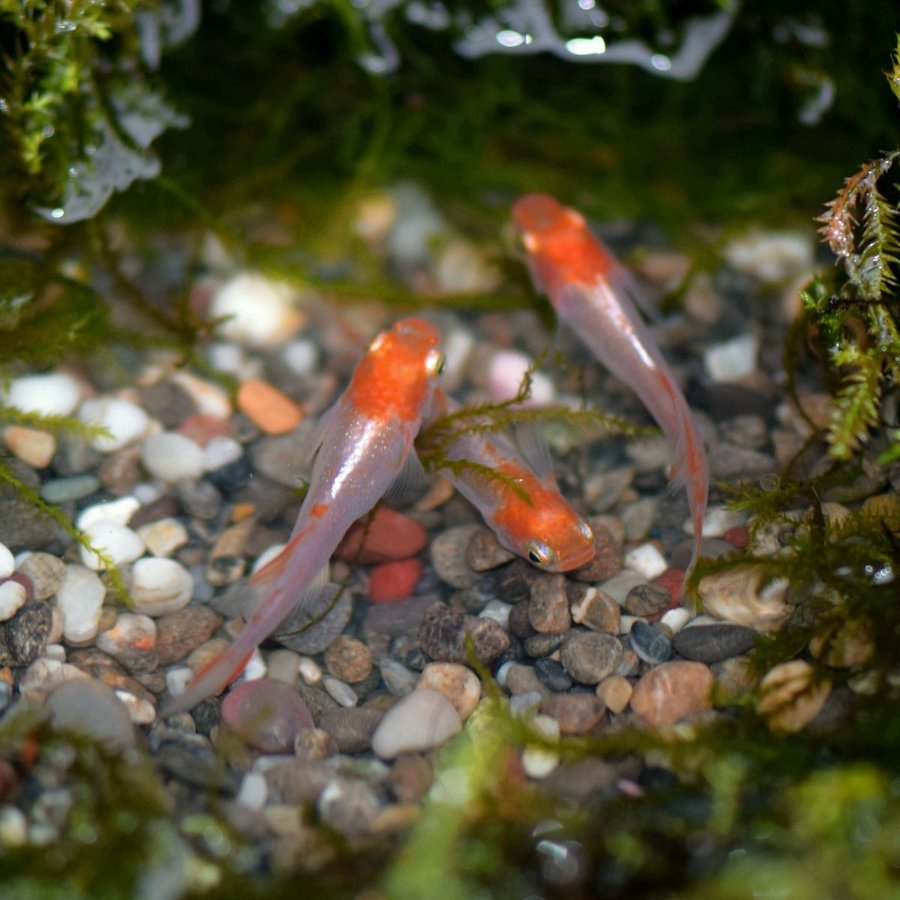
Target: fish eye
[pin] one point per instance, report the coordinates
(539, 553)
(585, 530)
(435, 362)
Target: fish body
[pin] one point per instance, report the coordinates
(524, 509)
(361, 446)
(595, 296)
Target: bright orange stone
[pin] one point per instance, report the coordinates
(268, 408)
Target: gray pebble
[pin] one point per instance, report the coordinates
(543, 644)
(607, 559)
(283, 458)
(200, 498)
(647, 599)
(316, 622)
(47, 573)
(65, 490)
(651, 645)
(713, 643)
(351, 728)
(90, 707)
(552, 674)
(24, 636)
(485, 552)
(522, 679)
(443, 636)
(548, 609)
(349, 806)
(589, 656)
(448, 555)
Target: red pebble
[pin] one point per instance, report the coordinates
(738, 536)
(388, 536)
(394, 580)
(671, 580)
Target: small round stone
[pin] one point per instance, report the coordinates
(348, 659)
(594, 610)
(485, 552)
(396, 580)
(738, 595)
(272, 411)
(118, 544)
(8, 563)
(123, 420)
(590, 656)
(267, 714)
(458, 683)
(90, 707)
(45, 571)
(340, 691)
(576, 713)
(386, 537)
(420, 721)
(80, 600)
(53, 394)
(647, 560)
(171, 456)
(132, 641)
(160, 586)
(712, 643)
(548, 608)
(650, 644)
(31, 445)
(164, 536)
(552, 674)
(255, 310)
(65, 490)
(448, 555)
(13, 595)
(615, 692)
(179, 633)
(672, 691)
(607, 560)
(647, 600)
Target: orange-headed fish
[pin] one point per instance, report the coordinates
(596, 296)
(532, 519)
(361, 446)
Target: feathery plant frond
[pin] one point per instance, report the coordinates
(12, 415)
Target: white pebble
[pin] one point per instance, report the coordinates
(646, 559)
(718, 520)
(53, 394)
(178, 679)
(130, 631)
(45, 674)
(255, 668)
(260, 312)
(772, 256)
(80, 600)
(420, 721)
(302, 356)
(13, 827)
(7, 562)
(125, 421)
(171, 456)
(505, 374)
(228, 357)
(220, 451)
(310, 671)
(539, 761)
(732, 360)
(209, 398)
(12, 598)
(53, 650)
(253, 792)
(675, 619)
(119, 511)
(118, 542)
(625, 623)
(164, 536)
(160, 586)
(498, 611)
(340, 691)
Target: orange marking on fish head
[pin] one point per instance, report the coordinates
(543, 529)
(395, 377)
(559, 242)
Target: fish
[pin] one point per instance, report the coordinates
(523, 507)
(595, 295)
(360, 447)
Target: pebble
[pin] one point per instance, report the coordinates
(160, 586)
(639, 517)
(253, 792)
(8, 562)
(302, 356)
(538, 760)
(387, 536)
(485, 552)
(316, 622)
(179, 633)
(521, 679)
(410, 777)
(43, 675)
(32, 445)
(548, 608)
(443, 636)
(593, 609)
(284, 666)
(314, 744)
(396, 580)
(736, 595)
(672, 691)
(590, 656)
(790, 696)
(80, 600)
(170, 456)
(771, 256)
(351, 728)
(420, 721)
(607, 560)
(51, 394)
(270, 410)
(646, 560)
(66, 490)
(728, 462)
(132, 641)
(651, 645)
(713, 643)
(90, 707)
(543, 644)
(209, 398)
(615, 693)
(458, 683)
(732, 360)
(118, 511)
(348, 806)
(220, 451)
(13, 595)
(575, 713)
(675, 619)
(448, 555)
(399, 680)
(619, 586)
(267, 714)
(348, 659)
(123, 420)
(340, 691)
(255, 310)
(552, 675)
(498, 611)
(164, 536)
(647, 600)
(118, 545)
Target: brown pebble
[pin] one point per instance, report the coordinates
(179, 633)
(485, 551)
(790, 696)
(576, 713)
(590, 656)
(607, 559)
(594, 609)
(458, 683)
(314, 744)
(410, 777)
(348, 659)
(615, 692)
(268, 408)
(448, 556)
(443, 636)
(647, 599)
(672, 691)
(548, 609)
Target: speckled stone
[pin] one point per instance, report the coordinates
(442, 636)
(23, 638)
(576, 713)
(448, 555)
(179, 633)
(672, 691)
(46, 572)
(647, 599)
(590, 656)
(351, 727)
(458, 683)
(522, 679)
(548, 609)
(650, 644)
(485, 552)
(543, 644)
(607, 559)
(712, 643)
(594, 609)
(348, 659)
